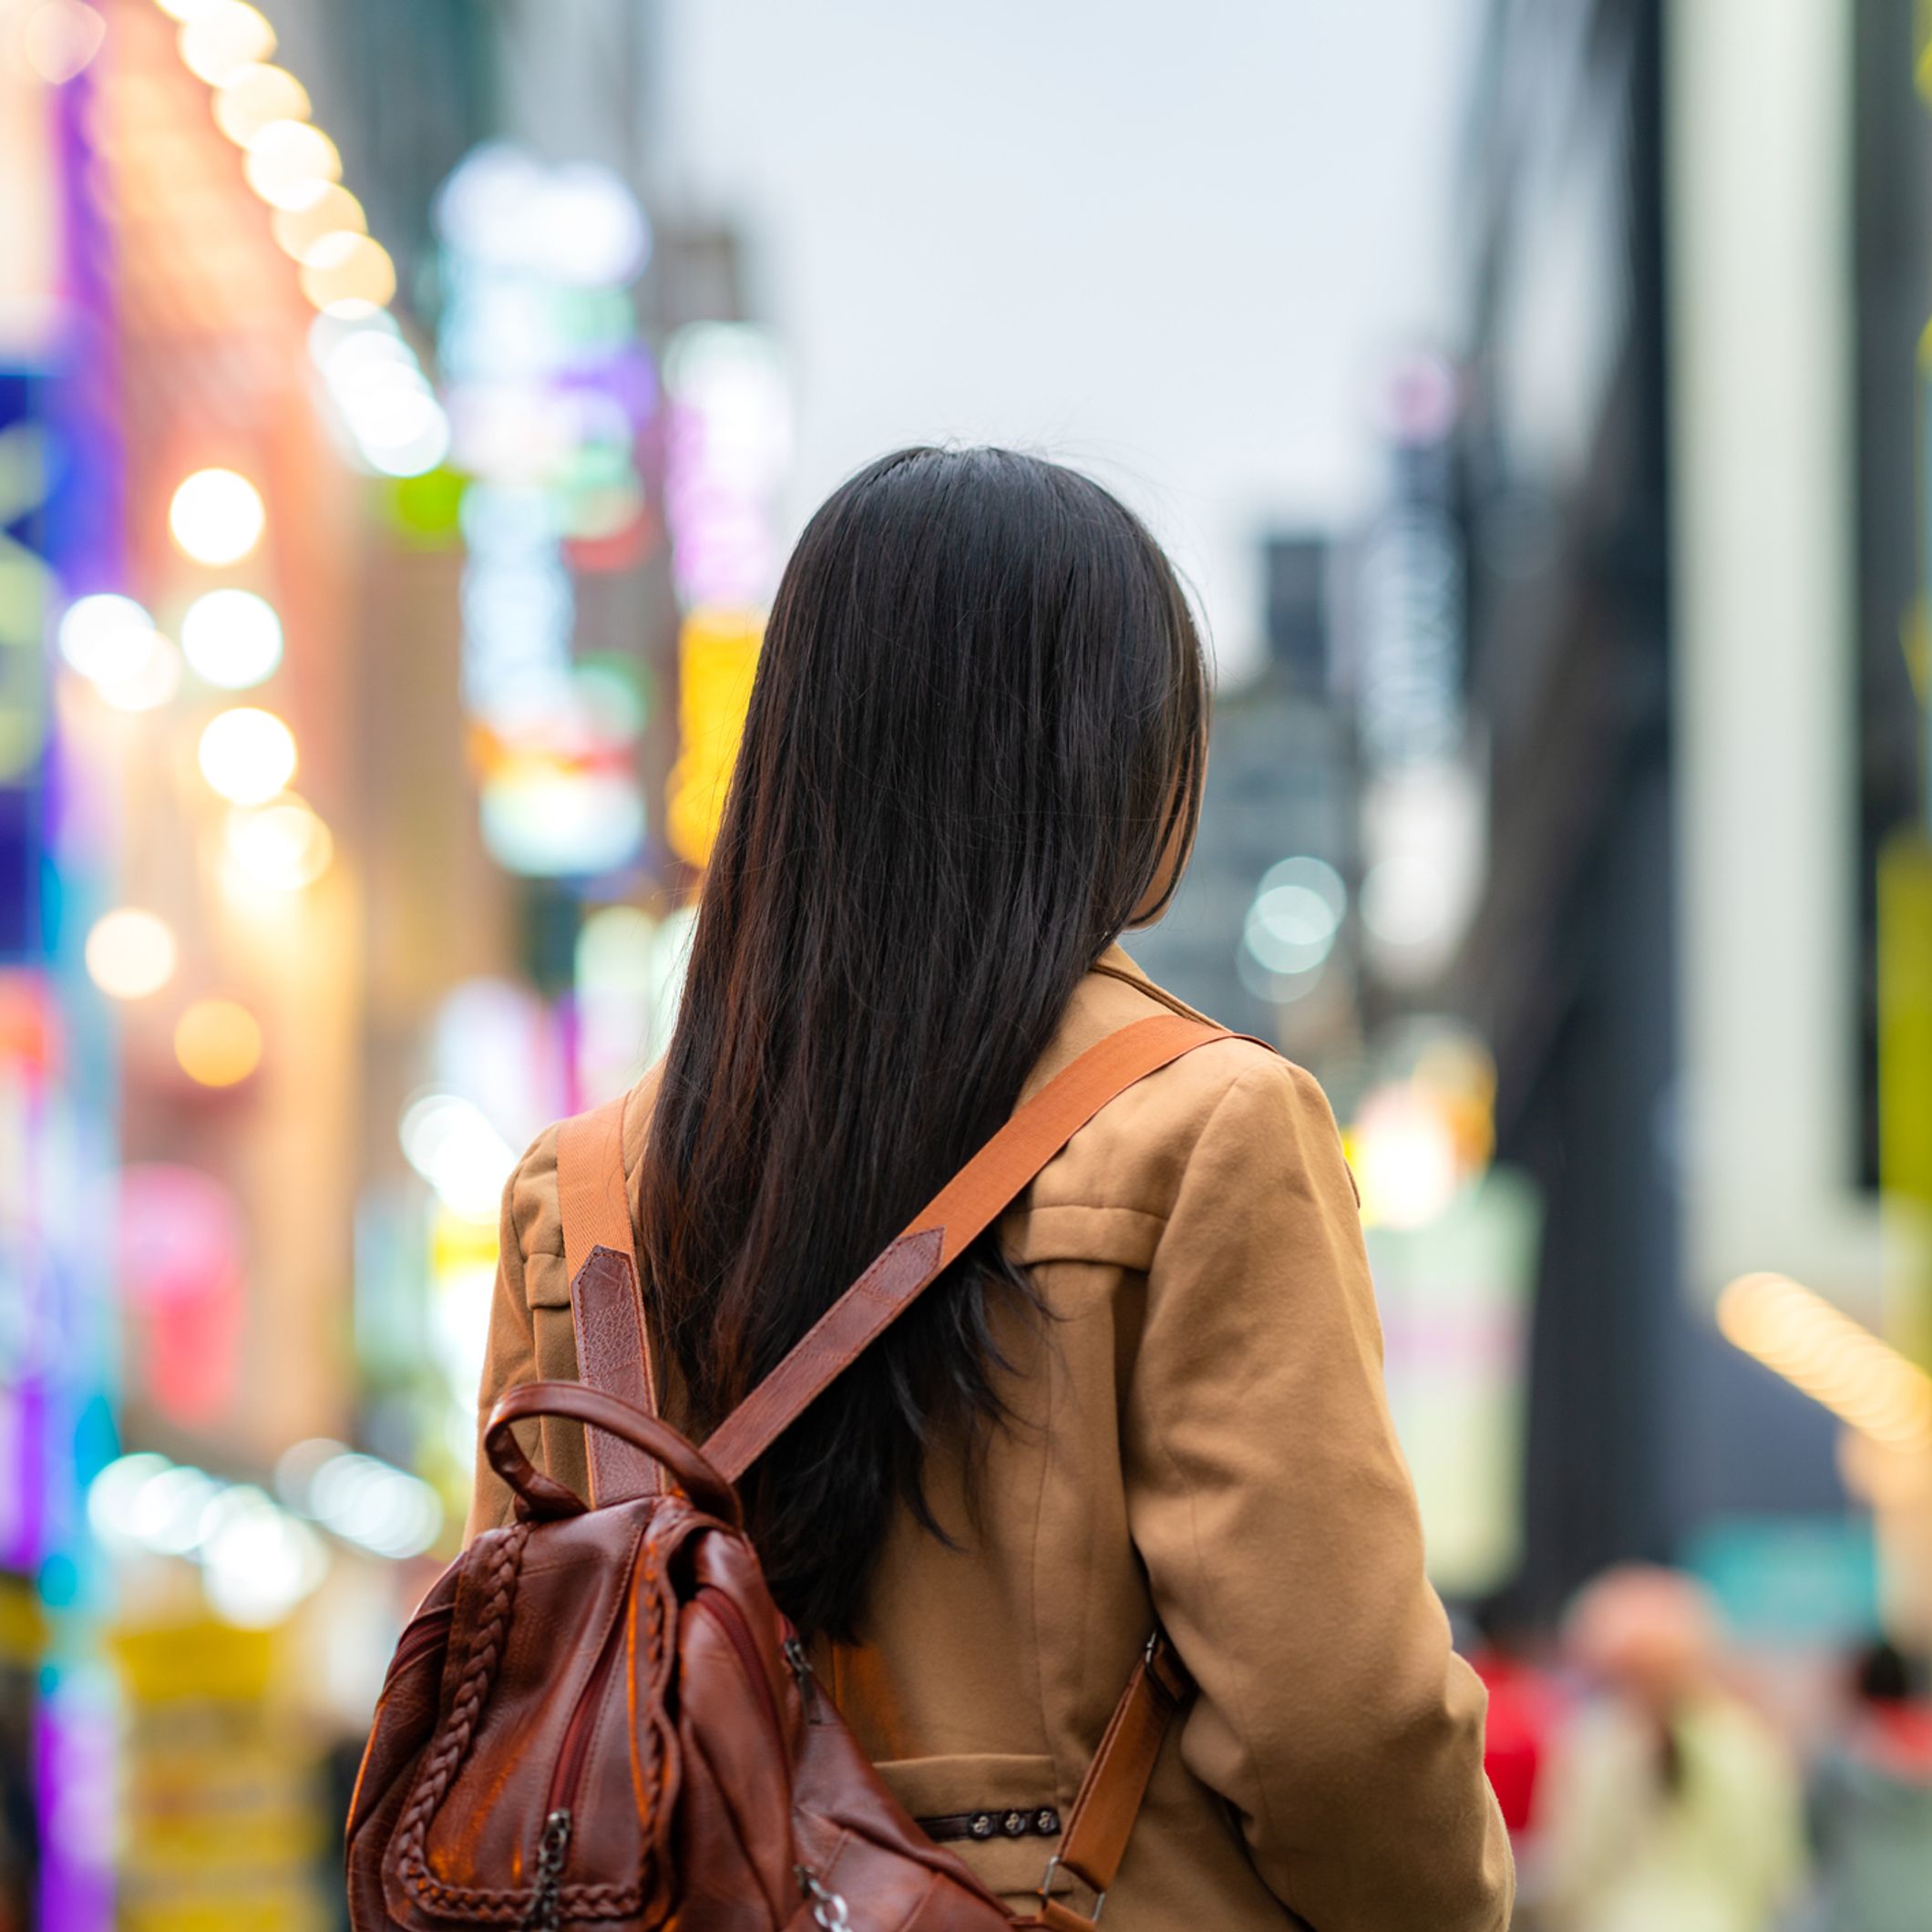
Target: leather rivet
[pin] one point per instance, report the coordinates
(1048, 1823)
(1015, 1823)
(982, 1825)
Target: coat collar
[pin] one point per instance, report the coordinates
(1118, 964)
(1113, 994)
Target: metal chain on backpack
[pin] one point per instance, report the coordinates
(827, 1908)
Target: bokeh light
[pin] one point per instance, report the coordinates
(247, 755)
(130, 953)
(218, 1042)
(147, 686)
(291, 164)
(283, 846)
(347, 274)
(360, 1498)
(1404, 1156)
(386, 404)
(257, 1560)
(256, 95)
(59, 38)
(449, 1141)
(218, 39)
(232, 638)
(1837, 1361)
(105, 636)
(216, 516)
(335, 211)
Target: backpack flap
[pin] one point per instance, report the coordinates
(548, 1788)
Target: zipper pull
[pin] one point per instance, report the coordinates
(552, 1849)
(801, 1669)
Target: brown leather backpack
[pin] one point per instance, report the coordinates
(599, 1717)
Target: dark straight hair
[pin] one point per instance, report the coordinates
(978, 726)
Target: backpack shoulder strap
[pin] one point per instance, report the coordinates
(963, 1209)
(607, 1309)
(1110, 1795)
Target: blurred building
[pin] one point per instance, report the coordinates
(386, 535)
(1693, 240)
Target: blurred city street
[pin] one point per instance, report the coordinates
(406, 409)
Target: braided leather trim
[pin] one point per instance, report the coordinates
(439, 1767)
(507, 1906)
(661, 1767)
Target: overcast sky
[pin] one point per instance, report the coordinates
(1173, 244)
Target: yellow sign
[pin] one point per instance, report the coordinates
(222, 1812)
(717, 655)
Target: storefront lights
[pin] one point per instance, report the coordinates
(384, 401)
(449, 1141)
(291, 164)
(219, 38)
(361, 1498)
(348, 275)
(217, 517)
(218, 1042)
(545, 820)
(1404, 1156)
(281, 846)
(130, 953)
(253, 97)
(148, 684)
(258, 1560)
(335, 211)
(105, 637)
(247, 755)
(1837, 1361)
(232, 638)
(296, 170)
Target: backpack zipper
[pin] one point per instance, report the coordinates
(726, 1614)
(554, 1846)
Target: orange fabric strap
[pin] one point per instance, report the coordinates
(606, 1307)
(960, 1212)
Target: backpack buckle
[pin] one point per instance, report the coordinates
(1046, 1889)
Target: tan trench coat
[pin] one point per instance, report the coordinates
(1202, 1439)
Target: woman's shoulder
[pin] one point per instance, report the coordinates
(532, 1205)
(1235, 1102)
(1238, 1070)
(533, 1210)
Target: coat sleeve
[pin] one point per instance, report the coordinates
(530, 1338)
(1270, 1503)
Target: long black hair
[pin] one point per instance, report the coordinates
(976, 730)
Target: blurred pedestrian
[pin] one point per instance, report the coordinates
(1871, 1803)
(973, 755)
(1525, 1705)
(1670, 1805)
